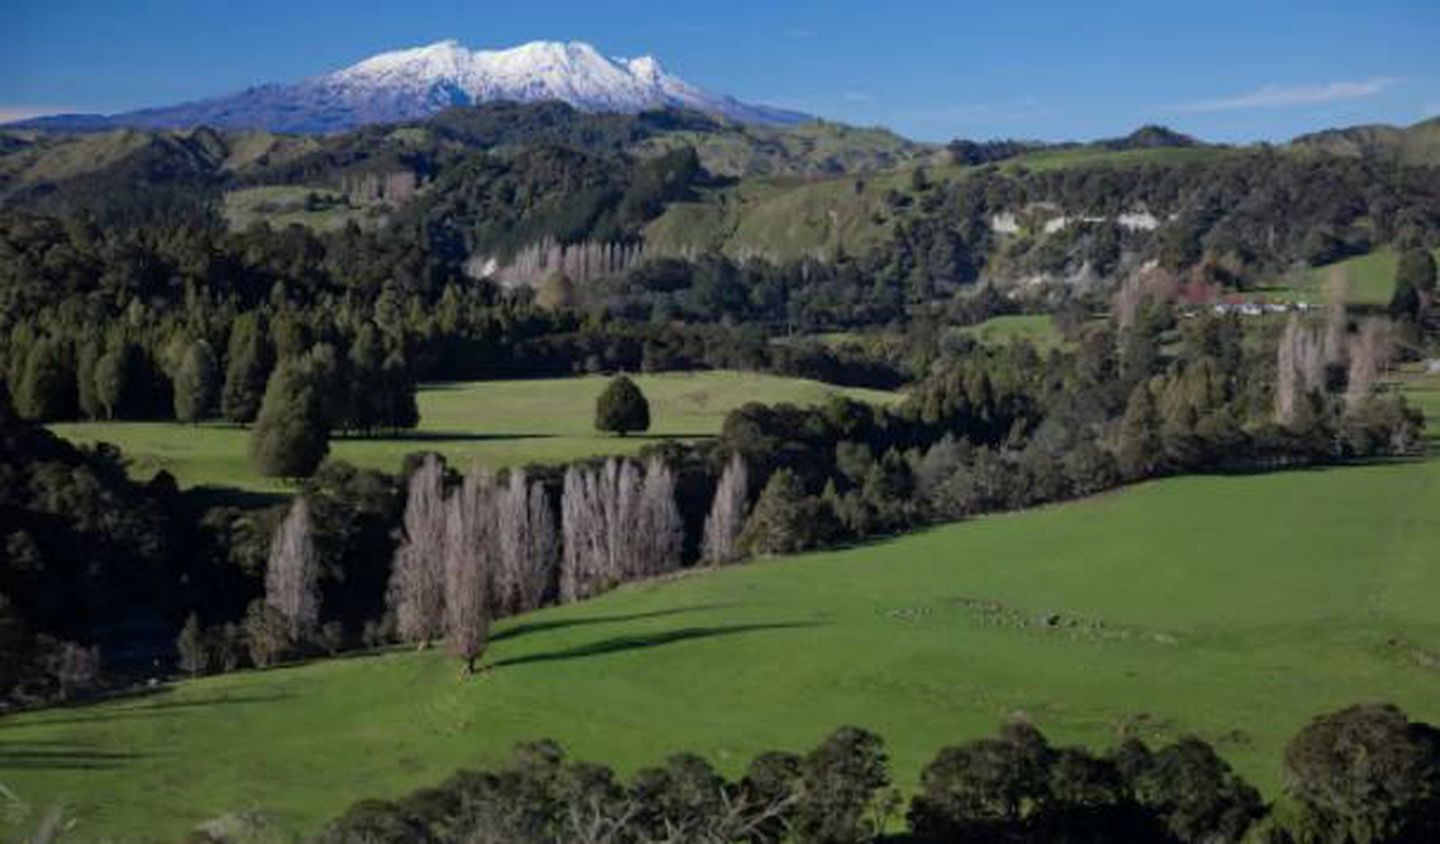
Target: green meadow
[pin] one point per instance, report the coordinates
(1231, 607)
(1371, 280)
(502, 423)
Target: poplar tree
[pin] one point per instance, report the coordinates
(470, 556)
(416, 590)
(727, 514)
(292, 575)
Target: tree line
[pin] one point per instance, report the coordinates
(1361, 774)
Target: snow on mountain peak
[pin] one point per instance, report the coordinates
(416, 82)
(572, 72)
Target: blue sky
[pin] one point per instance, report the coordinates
(1228, 70)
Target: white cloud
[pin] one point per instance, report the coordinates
(14, 113)
(1285, 96)
(858, 97)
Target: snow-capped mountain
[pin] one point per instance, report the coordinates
(414, 83)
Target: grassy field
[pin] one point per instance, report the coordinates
(1038, 329)
(504, 423)
(1371, 278)
(1235, 608)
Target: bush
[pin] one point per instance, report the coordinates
(622, 408)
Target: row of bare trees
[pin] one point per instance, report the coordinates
(618, 525)
(1308, 352)
(482, 550)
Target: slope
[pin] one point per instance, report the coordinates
(1231, 607)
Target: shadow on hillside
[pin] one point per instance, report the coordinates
(62, 756)
(620, 644)
(561, 624)
(440, 436)
(143, 707)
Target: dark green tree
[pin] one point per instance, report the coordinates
(622, 408)
(247, 366)
(47, 386)
(840, 785)
(292, 432)
(115, 375)
(785, 519)
(1140, 448)
(1366, 774)
(197, 382)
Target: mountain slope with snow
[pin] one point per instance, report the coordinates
(415, 83)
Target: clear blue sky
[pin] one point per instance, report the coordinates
(1232, 70)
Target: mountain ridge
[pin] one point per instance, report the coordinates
(414, 83)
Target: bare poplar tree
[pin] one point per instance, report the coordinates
(583, 528)
(544, 550)
(1299, 367)
(727, 514)
(620, 494)
(471, 556)
(660, 533)
(292, 573)
(512, 523)
(1369, 355)
(416, 590)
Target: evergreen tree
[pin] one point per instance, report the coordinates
(1140, 448)
(196, 383)
(114, 380)
(47, 385)
(785, 519)
(622, 408)
(398, 387)
(291, 434)
(247, 367)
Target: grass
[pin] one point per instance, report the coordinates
(503, 423)
(1371, 279)
(1038, 329)
(285, 205)
(1235, 608)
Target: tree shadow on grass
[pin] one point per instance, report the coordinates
(562, 623)
(439, 436)
(620, 644)
(141, 708)
(63, 756)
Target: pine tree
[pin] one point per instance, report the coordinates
(114, 376)
(416, 589)
(196, 383)
(1140, 448)
(47, 387)
(622, 408)
(291, 434)
(248, 364)
(292, 574)
(727, 514)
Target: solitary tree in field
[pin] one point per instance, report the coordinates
(292, 576)
(291, 435)
(469, 562)
(727, 514)
(416, 591)
(622, 408)
(197, 382)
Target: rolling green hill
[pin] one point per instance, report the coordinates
(501, 422)
(1235, 608)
